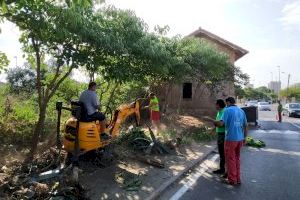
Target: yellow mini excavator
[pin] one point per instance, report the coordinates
(82, 135)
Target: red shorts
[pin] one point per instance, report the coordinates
(155, 115)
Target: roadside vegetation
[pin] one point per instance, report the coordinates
(291, 92)
(113, 47)
(260, 93)
(263, 93)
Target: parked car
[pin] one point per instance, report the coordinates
(252, 103)
(291, 109)
(264, 106)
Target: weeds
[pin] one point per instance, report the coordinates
(198, 135)
(169, 134)
(203, 134)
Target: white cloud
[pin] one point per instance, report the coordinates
(291, 15)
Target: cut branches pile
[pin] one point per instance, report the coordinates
(254, 142)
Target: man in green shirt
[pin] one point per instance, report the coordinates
(279, 109)
(154, 110)
(220, 106)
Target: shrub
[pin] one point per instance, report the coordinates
(203, 134)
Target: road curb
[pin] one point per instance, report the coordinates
(155, 194)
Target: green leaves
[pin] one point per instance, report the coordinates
(4, 62)
(21, 80)
(291, 92)
(114, 43)
(260, 93)
(3, 6)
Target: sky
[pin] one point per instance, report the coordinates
(268, 29)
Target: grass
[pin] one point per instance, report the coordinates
(202, 134)
(169, 134)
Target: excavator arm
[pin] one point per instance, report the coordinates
(122, 113)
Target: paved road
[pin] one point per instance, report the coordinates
(271, 173)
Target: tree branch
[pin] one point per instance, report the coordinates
(53, 90)
(51, 85)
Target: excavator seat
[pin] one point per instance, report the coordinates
(79, 112)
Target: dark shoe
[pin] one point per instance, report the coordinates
(224, 175)
(226, 181)
(105, 136)
(219, 171)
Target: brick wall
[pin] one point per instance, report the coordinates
(201, 103)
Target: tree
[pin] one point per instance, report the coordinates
(50, 29)
(112, 41)
(264, 90)
(4, 62)
(70, 89)
(240, 78)
(21, 80)
(260, 93)
(239, 91)
(135, 55)
(138, 56)
(291, 92)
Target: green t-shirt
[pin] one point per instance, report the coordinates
(155, 106)
(279, 108)
(218, 118)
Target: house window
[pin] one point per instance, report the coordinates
(187, 91)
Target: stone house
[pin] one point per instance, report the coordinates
(188, 97)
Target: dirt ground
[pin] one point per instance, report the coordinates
(108, 183)
(127, 177)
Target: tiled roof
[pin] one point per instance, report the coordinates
(239, 51)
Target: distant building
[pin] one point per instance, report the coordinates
(275, 86)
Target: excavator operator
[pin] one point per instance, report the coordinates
(90, 101)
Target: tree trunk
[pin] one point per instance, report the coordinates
(92, 76)
(39, 127)
(179, 102)
(111, 96)
(167, 92)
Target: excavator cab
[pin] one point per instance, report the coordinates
(82, 134)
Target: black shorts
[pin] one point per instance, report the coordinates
(97, 116)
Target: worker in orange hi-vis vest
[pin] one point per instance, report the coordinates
(154, 110)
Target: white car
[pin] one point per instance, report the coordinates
(264, 106)
(252, 103)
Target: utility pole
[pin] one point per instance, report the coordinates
(287, 89)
